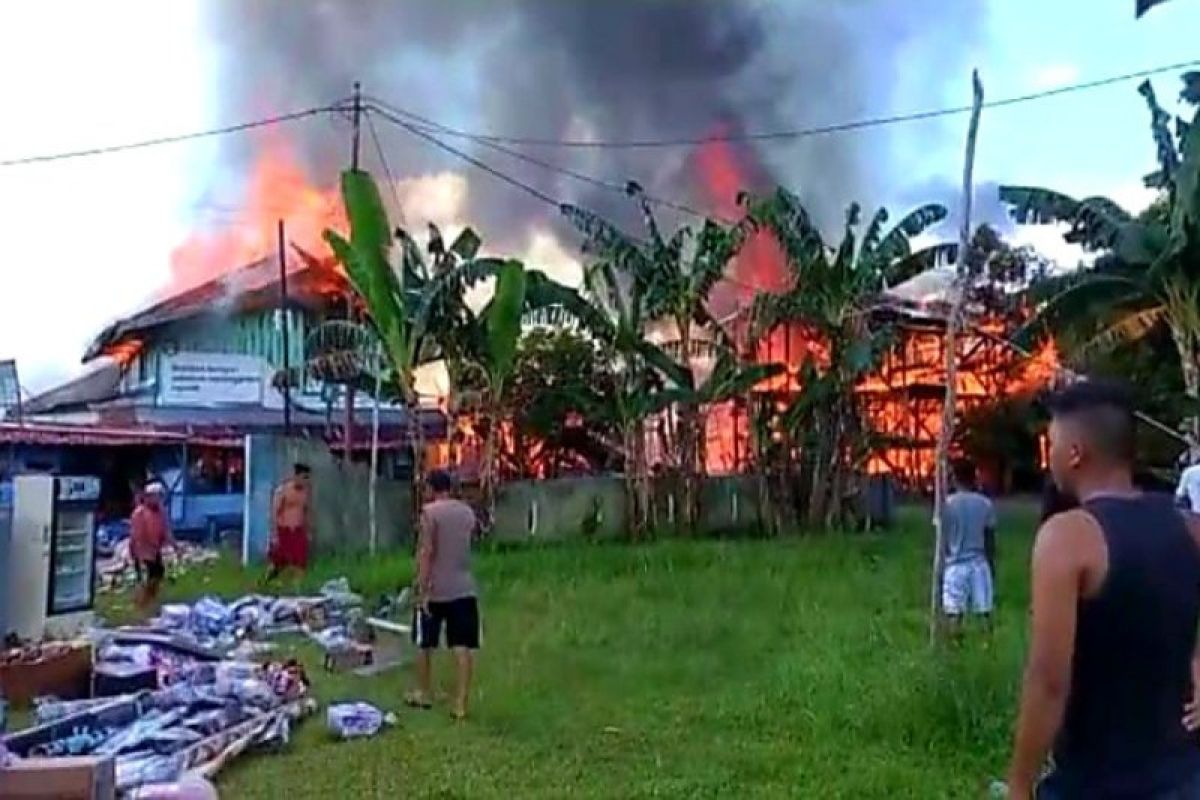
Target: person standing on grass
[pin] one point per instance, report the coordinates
(969, 533)
(446, 593)
(1188, 491)
(289, 523)
(1109, 683)
(149, 535)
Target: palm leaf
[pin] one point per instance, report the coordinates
(604, 239)
(897, 243)
(1131, 327)
(1145, 5)
(785, 216)
(1062, 301)
(874, 233)
(1185, 212)
(504, 321)
(1190, 93)
(466, 245)
(925, 259)
(1164, 141)
(1095, 223)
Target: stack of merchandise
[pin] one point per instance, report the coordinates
(117, 572)
(211, 713)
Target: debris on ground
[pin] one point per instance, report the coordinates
(356, 720)
(186, 693)
(118, 571)
(158, 737)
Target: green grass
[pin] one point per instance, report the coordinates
(794, 668)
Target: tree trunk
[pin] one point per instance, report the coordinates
(487, 472)
(1187, 343)
(416, 438)
(637, 497)
(372, 499)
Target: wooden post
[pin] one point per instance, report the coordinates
(371, 500)
(284, 319)
(959, 288)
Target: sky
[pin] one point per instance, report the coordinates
(89, 239)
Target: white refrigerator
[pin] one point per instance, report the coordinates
(52, 555)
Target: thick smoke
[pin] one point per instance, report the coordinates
(618, 70)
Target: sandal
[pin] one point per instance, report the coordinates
(416, 699)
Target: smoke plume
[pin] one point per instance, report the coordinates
(616, 70)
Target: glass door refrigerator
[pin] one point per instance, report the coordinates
(52, 555)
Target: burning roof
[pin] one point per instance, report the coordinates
(313, 284)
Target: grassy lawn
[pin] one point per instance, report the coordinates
(683, 669)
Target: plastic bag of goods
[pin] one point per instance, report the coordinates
(356, 720)
(190, 787)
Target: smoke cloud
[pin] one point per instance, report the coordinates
(607, 70)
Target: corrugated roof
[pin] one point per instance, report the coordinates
(311, 282)
(91, 387)
(83, 435)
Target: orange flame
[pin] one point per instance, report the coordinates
(278, 188)
(902, 401)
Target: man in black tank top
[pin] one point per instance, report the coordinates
(1116, 602)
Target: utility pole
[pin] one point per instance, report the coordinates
(960, 287)
(356, 122)
(285, 323)
(356, 132)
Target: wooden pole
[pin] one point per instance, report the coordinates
(371, 498)
(959, 289)
(284, 320)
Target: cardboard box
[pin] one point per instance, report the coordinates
(82, 778)
(65, 673)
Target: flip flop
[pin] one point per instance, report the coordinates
(417, 700)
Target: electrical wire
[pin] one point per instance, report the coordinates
(161, 140)
(387, 170)
(421, 133)
(821, 130)
(417, 131)
(591, 180)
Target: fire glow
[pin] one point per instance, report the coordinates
(902, 401)
(278, 188)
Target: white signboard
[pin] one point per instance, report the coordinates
(208, 379)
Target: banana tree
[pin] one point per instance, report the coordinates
(414, 306)
(668, 279)
(502, 324)
(831, 293)
(1147, 275)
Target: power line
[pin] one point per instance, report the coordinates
(161, 140)
(800, 133)
(592, 180)
(387, 170)
(421, 133)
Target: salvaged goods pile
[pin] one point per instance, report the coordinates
(175, 700)
(118, 572)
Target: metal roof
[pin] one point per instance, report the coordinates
(310, 284)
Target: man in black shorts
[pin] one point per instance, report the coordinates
(446, 593)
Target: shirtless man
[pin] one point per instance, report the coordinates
(289, 523)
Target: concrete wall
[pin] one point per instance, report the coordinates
(564, 508)
(340, 518)
(595, 507)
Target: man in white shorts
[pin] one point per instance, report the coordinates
(1188, 492)
(969, 537)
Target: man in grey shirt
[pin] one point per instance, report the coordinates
(446, 593)
(969, 540)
